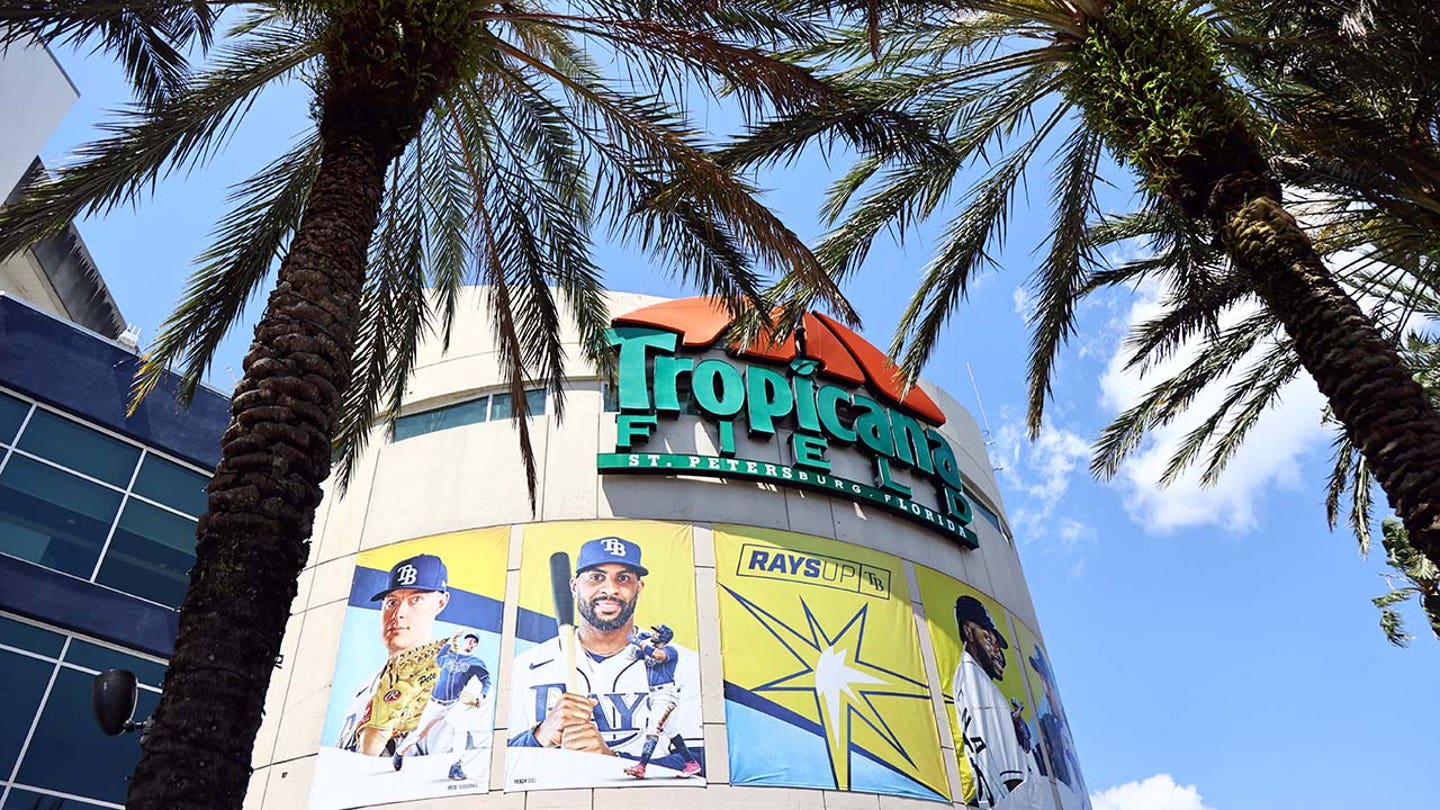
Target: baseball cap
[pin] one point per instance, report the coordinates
(969, 609)
(423, 572)
(603, 550)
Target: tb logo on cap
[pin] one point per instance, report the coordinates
(615, 546)
(406, 575)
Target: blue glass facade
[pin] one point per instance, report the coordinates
(97, 537)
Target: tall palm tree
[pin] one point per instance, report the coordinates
(1144, 82)
(1351, 91)
(454, 142)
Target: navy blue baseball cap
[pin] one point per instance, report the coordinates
(970, 609)
(423, 572)
(603, 550)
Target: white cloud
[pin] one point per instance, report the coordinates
(1269, 458)
(1040, 473)
(1158, 792)
(1073, 532)
(1024, 304)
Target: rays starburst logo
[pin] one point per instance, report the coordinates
(845, 686)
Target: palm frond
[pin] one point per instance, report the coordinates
(1261, 389)
(661, 189)
(394, 312)
(964, 250)
(148, 37)
(677, 54)
(246, 243)
(1061, 276)
(147, 144)
(1171, 396)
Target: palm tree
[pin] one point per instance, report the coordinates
(1006, 81)
(454, 142)
(1353, 91)
(1352, 94)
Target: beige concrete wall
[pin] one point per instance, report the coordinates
(22, 277)
(452, 480)
(35, 95)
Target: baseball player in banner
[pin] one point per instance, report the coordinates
(410, 716)
(992, 716)
(600, 698)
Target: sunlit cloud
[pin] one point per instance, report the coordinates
(1158, 792)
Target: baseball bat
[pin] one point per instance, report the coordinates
(565, 616)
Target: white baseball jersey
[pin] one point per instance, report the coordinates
(619, 682)
(991, 746)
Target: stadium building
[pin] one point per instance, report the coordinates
(97, 537)
(790, 582)
(97, 507)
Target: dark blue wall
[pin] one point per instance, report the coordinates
(83, 607)
(79, 373)
(71, 369)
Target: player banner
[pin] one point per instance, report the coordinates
(605, 689)
(992, 717)
(1060, 760)
(824, 683)
(411, 712)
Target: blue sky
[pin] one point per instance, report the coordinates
(1216, 649)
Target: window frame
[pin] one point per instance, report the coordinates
(489, 398)
(12, 449)
(58, 662)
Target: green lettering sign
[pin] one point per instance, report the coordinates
(654, 380)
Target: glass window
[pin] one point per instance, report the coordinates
(534, 404)
(20, 692)
(500, 409)
(465, 413)
(12, 413)
(79, 448)
(52, 517)
(93, 656)
(29, 800)
(150, 554)
(32, 638)
(172, 485)
(67, 735)
(993, 518)
(610, 399)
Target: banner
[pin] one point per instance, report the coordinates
(628, 711)
(1061, 761)
(411, 712)
(991, 714)
(824, 683)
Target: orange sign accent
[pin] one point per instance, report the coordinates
(843, 355)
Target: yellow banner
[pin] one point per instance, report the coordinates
(824, 683)
(636, 658)
(411, 709)
(1052, 728)
(992, 717)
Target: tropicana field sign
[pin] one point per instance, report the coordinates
(841, 394)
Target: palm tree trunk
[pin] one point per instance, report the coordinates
(254, 540)
(1374, 396)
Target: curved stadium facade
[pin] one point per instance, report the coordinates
(793, 585)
